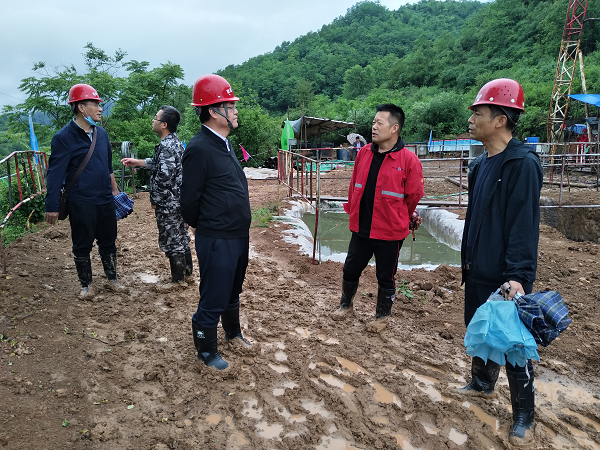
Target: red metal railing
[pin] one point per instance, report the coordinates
(30, 173)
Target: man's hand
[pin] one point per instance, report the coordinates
(51, 217)
(131, 162)
(153, 206)
(512, 288)
(415, 221)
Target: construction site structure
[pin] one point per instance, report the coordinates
(565, 70)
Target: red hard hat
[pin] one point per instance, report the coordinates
(81, 92)
(501, 92)
(211, 89)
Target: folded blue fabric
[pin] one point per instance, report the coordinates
(496, 332)
(123, 205)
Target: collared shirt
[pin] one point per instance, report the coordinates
(225, 139)
(89, 133)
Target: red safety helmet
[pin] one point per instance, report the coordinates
(81, 92)
(501, 92)
(211, 89)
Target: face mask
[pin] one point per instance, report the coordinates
(89, 120)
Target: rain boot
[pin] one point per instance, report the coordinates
(189, 264)
(522, 398)
(109, 263)
(205, 341)
(383, 310)
(349, 289)
(177, 263)
(483, 377)
(230, 320)
(385, 300)
(84, 272)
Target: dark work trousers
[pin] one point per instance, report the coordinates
(476, 294)
(361, 250)
(93, 222)
(222, 264)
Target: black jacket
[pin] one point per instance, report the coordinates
(214, 190)
(69, 147)
(507, 226)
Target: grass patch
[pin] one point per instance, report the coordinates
(263, 215)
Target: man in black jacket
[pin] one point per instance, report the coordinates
(501, 233)
(215, 201)
(90, 202)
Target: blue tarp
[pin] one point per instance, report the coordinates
(577, 128)
(592, 99)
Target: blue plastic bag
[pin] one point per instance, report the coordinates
(496, 332)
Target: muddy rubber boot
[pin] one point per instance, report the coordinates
(205, 341)
(177, 263)
(230, 320)
(189, 264)
(483, 378)
(383, 310)
(83, 265)
(522, 398)
(109, 263)
(349, 289)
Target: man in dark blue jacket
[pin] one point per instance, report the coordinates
(215, 201)
(90, 202)
(501, 233)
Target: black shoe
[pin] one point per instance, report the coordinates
(522, 398)
(385, 300)
(205, 341)
(348, 292)
(483, 377)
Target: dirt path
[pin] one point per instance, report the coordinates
(120, 372)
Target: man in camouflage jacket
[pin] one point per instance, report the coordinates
(165, 183)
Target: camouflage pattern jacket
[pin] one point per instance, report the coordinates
(165, 174)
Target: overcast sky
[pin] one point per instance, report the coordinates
(201, 36)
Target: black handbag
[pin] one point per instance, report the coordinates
(63, 205)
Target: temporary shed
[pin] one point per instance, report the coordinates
(306, 127)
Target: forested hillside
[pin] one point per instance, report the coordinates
(430, 57)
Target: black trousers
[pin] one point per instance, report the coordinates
(360, 252)
(91, 223)
(222, 264)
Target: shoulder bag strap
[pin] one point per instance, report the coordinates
(82, 165)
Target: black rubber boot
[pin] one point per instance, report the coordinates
(83, 265)
(205, 341)
(385, 300)
(230, 320)
(189, 264)
(349, 289)
(483, 377)
(109, 263)
(522, 398)
(177, 263)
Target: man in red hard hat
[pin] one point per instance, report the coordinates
(501, 234)
(90, 202)
(215, 201)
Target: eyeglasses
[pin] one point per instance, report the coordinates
(158, 120)
(230, 108)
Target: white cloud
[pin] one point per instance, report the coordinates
(201, 36)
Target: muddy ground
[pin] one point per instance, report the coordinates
(120, 371)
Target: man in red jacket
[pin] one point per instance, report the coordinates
(386, 185)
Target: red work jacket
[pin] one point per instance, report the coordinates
(398, 190)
